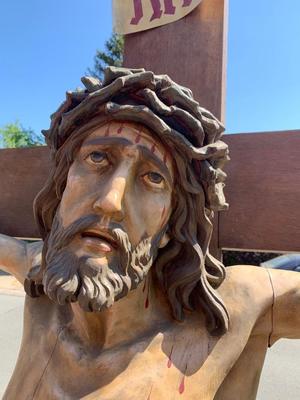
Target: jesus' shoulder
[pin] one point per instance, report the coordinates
(268, 299)
(17, 257)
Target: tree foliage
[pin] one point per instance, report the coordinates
(15, 135)
(112, 55)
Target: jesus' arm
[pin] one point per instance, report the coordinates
(286, 304)
(17, 256)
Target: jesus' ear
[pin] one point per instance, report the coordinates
(164, 240)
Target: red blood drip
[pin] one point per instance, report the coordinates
(147, 302)
(169, 365)
(181, 386)
(138, 138)
(153, 148)
(119, 131)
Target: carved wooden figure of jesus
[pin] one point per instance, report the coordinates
(124, 300)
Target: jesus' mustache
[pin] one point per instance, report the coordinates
(95, 285)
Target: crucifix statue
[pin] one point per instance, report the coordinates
(124, 299)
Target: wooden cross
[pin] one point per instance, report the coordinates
(264, 173)
(263, 187)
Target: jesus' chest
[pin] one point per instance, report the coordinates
(171, 365)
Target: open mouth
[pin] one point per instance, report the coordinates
(100, 238)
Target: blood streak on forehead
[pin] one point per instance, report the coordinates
(137, 134)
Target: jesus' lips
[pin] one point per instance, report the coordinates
(99, 240)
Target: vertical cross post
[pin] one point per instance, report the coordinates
(193, 52)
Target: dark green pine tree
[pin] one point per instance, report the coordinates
(112, 55)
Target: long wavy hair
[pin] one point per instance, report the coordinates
(186, 270)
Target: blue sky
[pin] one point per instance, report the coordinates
(46, 46)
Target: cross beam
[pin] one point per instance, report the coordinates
(264, 173)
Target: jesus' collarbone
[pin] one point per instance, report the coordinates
(124, 298)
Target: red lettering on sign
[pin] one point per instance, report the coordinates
(170, 9)
(138, 11)
(157, 11)
(186, 3)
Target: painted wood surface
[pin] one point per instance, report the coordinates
(192, 51)
(263, 190)
(22, 174)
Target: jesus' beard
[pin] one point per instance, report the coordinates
(69, 278)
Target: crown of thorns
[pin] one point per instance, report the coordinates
(166, 108)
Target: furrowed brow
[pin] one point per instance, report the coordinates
(120, 141)
(148, 155)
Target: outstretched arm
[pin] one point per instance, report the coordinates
(16, 256)
(286, 308)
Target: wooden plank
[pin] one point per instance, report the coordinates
(193, 52)
(263, 190)
(22, 174)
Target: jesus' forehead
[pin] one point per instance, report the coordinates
(135, 134)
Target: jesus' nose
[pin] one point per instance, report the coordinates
(109, 202)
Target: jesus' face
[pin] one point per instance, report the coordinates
(112, 217)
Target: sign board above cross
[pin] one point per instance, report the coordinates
(138, 15)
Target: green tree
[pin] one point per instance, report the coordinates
(112, 55)
(15, 135)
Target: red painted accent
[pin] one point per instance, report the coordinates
(138, 11)
(181, 386)
(157, 12)
(138, 138)
(169, 7)
(153, 148)
(119, 131)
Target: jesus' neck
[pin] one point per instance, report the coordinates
(137, 314)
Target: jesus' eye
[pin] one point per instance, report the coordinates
(98, 157)
(154, 179)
